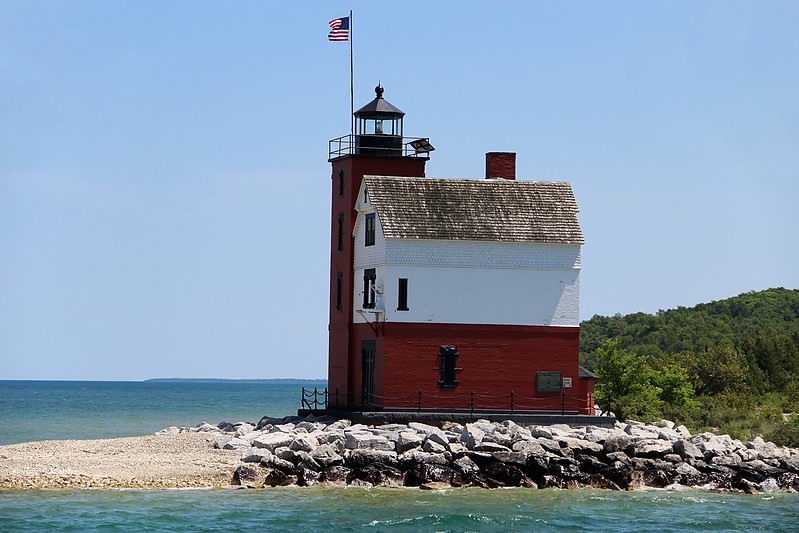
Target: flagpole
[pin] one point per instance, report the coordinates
(352, 97)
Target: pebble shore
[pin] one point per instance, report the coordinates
(182, 460)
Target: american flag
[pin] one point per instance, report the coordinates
(339, 29)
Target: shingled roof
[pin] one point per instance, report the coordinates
(472, 209)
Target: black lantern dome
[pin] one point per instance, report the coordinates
(379, 127)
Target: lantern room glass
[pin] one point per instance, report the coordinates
(380, 125)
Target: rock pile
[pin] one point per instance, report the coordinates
(489, 454)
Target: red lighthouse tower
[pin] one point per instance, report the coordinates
(376, 148)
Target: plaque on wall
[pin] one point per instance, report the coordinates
(548, 382)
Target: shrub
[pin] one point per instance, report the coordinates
(786, 433)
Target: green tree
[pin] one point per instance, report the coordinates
(675, 386)
(720, 368)
(626, 384)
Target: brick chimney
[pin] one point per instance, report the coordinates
(501, 165)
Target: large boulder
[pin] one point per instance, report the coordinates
(246, 475)
(433, 446)
(376, 475)
(472, 436)
(621, 458)
(514, 458)
(506, 474)
(336, 440)
(654, 448)
(235, 444)
(407, 440)
(590, 464)
(553, 447)
(279, 478)
(307, 477)
(689, 475)
(272, 441)
(364, 440)
(362, 457)
(430, 473)
(278, 463)
(417, 456)
(422, 429)
(687, 450)
(711, 445)
(336, 475)
(305, 443)
(490, 446)
(308, 426)
(326, 456)
(529, 447)
(616, 441)
(244, 428)
(580, 446)
(466, 466)
(254, 455)
(769, 450)
(540, 431)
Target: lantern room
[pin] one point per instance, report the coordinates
(379, 128)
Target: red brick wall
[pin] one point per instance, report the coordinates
(495, 361)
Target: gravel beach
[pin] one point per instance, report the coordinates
(154, 461)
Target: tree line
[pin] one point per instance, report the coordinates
(730, 365)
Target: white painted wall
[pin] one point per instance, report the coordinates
(368, 256)
(483, 296)
(461, 282)
(482, 254)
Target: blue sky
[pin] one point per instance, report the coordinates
(164, 184)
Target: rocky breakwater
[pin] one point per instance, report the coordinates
(489, 454)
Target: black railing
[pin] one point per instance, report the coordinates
(316, 400)
(350, 145)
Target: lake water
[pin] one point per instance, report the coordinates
(60, 410)
(37, 410)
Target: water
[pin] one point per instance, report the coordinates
(60, 410)
(39, 410)
(396, 510)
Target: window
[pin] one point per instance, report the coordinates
(370, 230)
(340, 232)
(402, 296)
(448, 355)
(369, 277)
(548, 381)
(338, 292)
(341, 183)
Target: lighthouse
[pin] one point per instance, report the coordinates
(449, 294)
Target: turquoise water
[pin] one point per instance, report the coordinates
(39, 410)
(61, 410)
(396, 510)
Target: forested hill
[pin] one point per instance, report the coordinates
(765, 321)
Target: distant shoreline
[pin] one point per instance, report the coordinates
(287, 381)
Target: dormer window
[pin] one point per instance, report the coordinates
(370, 230)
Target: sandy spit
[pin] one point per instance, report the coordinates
(155, 461)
